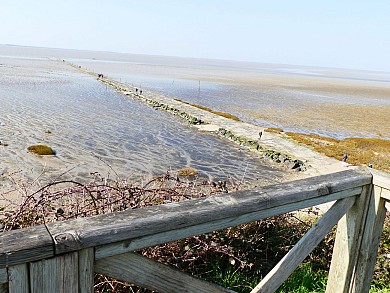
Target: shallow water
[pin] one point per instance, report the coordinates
(94, 129)
(266, 95)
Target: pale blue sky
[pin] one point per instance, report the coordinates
(333, 33)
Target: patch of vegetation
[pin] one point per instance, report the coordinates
(273, 130)
(222, 114)
(236, 258)
(361, 151)
(42, 150)
(305, 280)
(187, 172)
(381, 277)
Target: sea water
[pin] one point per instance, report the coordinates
(93, 129)
(294, 98)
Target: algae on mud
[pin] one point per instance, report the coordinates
(373, 152)
(42, 150)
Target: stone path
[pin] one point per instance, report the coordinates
(316, 163)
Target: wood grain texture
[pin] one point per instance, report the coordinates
(58, 274)
(19, 279)
(86, 270)
(159, 238)
(286, 266)
(3, 276)
(347, 243)
(109, 228)
(381, 179)
(144, 272)
(385, 194)
(24, 245)
(368, 249)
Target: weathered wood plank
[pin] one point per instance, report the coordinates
(3, 276)
(24, 245)
(86, 270)
(348, 239)
(381, 179)
(144, 272)
(159, 238)
(385, 193)
(18, 279)
(58, 274)
(368, 249)
(286, 266)
(104, 229)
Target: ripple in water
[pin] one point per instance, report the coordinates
(95, 129)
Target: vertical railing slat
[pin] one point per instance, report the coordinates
(3, 275)
(18, 279)
(86, 270)
(58, 274)
(347, 243)
(370, 242)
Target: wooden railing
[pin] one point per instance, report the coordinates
(63, 256)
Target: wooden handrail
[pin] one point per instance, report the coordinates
(40, 242)
(90, 244)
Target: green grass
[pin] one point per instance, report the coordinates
(305, 280)
(229, 277)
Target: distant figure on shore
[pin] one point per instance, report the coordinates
(260, 134)
(140, 92)
(100, 75)
(136, 90)
(344, 160)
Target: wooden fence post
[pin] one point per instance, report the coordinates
(4, 280)
(86, 270)
(57, 274)
(370, 242)
(347, 243)
(18, 279)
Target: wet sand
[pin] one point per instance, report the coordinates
(93, 129)
(338, 103)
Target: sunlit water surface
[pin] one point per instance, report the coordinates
(94, 129)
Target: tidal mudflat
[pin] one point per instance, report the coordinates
(93, 129)
(337, 103)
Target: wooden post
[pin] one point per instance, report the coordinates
(86, 270)
(58, 274)
(18, 279)
(3, 275)
(370, 242)
(4, 280)
(347, 243)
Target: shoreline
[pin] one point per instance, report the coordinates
(278, 147)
